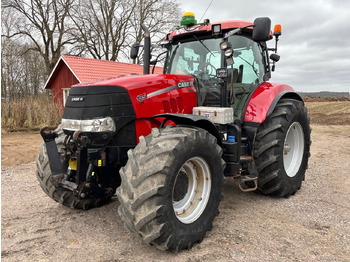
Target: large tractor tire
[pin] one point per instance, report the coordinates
(282, 149)
(172, 186)
(61, 195)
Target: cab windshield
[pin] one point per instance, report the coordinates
(201, 58)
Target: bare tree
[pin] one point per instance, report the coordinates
(105, 29)
(44, 24)
(160, 16)
(22, 71)
(101, 27)
(36, 32)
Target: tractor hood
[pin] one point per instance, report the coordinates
(130, 97)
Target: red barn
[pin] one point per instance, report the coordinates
(71, 70)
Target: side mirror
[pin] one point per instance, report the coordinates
(134, 50)
(261, 30)
(275, 57)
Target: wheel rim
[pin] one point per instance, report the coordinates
(191, 190)
(293, 149)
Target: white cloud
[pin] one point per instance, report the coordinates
(315, 41)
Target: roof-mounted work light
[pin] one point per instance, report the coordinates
(225, 44)
(228, 52)
(216, 29)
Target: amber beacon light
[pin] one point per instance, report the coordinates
(277, 30)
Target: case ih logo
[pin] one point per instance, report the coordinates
(77, 99)
(185, 84)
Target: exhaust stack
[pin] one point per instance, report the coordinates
(147, 50)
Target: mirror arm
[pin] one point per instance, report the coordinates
(275, 50)
(276, 41)
(154, 62)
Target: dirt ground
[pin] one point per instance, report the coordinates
(312, 225)
(19, 147)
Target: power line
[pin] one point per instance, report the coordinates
(206, 10)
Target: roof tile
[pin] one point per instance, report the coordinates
(87, 69)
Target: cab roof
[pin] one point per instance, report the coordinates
(206, 28)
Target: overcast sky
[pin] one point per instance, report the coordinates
(315, 42)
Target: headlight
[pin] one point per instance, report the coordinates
(94, 125)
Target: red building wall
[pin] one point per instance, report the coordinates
(64, 79)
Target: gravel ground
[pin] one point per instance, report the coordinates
(312, 225)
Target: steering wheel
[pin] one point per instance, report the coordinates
(211, 69)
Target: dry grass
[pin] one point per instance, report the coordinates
(29, 112)
(35, 112)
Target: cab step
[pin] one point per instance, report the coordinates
(245, 158)
(248, 183)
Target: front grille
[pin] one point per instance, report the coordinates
(91, 102)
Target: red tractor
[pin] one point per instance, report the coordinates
(165, 143)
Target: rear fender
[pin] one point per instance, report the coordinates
(264, 100)
(262, 103)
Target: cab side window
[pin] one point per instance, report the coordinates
(248, 60)
(189, 61)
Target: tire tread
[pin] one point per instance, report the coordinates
(268, 149)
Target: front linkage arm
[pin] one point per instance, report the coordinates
(54, 157)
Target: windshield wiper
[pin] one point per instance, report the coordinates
(203, 45)
(252, 65)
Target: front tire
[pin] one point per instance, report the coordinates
(282, 149)
(172, 186)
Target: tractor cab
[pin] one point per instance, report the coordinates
(228, 60)
(205, 61)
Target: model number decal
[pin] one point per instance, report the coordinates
(141, 97)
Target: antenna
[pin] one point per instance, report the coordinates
(206, 11)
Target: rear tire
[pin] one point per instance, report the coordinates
(282, 149)
(171, 187)
(61, 195)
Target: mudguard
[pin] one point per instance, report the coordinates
(264, 100)
(192, 120)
